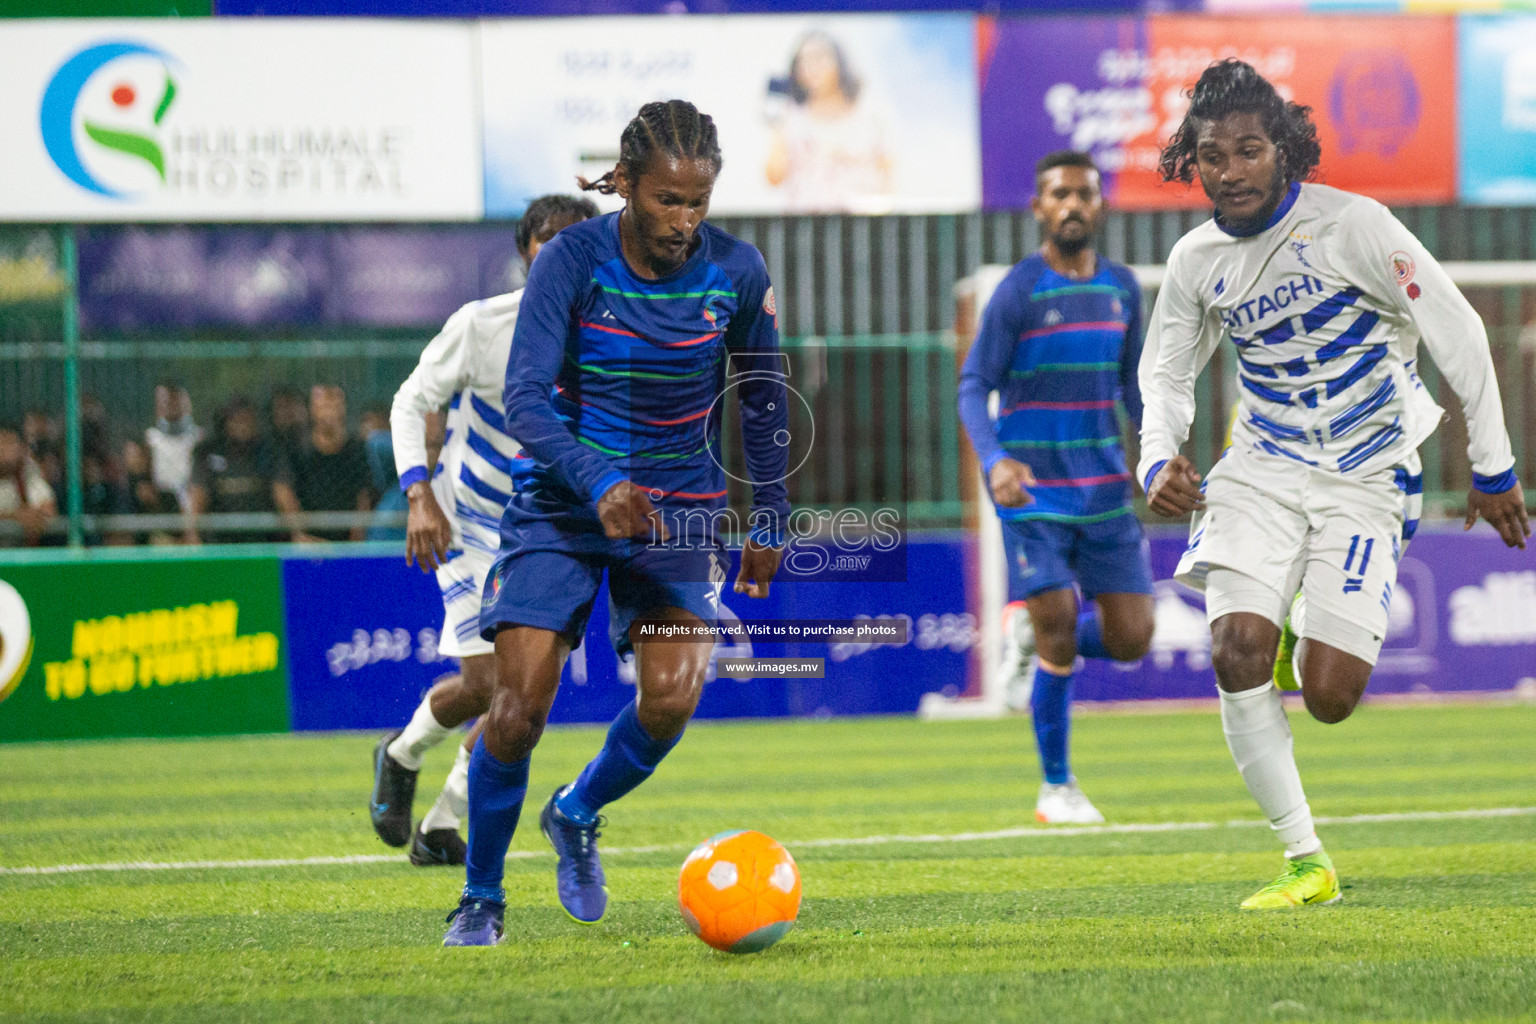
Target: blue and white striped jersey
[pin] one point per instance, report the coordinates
(1325, 305)
(465, 366)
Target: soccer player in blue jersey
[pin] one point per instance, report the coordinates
(1060, 341)
(627, 329)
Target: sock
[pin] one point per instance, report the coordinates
(1090, 636)
(496, 791)
(1259, 737)
(1050, 705)
(453, 802)
(628, 758)
(421, 734)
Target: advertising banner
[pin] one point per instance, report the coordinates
(1497, 97)
(189, 278)
(1381, 89)
(862, 114)
(263, 120)
(364, 646)
(141, 648)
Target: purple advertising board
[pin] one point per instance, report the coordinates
(1463, 618)
(136, 279)
(363, 631)
(1058, 83)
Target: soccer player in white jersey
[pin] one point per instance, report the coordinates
(1325, 296)
(465, 367)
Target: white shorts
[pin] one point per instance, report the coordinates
(1293, 528)
(462, 581)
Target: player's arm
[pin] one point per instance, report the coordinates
(538, 347)
(1178, 344)
(1458, 341)
(442, 370)
(752, 341)
(984, 370)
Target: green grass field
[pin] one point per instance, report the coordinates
(1438, 920)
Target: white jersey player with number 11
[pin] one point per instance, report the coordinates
(1325, 297)
(464, 367)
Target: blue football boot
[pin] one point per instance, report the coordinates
(475, 922)
(579, 875)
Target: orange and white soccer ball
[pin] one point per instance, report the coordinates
(739, 891)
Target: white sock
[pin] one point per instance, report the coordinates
(1259, 737)
(453, 802)
(422, 734)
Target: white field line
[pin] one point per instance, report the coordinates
(1023, 832)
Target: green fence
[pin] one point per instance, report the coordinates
(866, 304)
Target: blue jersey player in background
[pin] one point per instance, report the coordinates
(1060, 342)
(628, 330)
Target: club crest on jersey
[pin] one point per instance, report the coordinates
(709, 313)
(1299, 245)
(1402, 268)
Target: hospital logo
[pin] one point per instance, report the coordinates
(15, 639)
(101, 117)
(1402, 268)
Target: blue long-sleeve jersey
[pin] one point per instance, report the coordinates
(615, 377)
(1059, 352)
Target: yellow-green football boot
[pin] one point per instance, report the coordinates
(1285, 654)
(1309, 879)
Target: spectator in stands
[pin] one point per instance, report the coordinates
(26, 501)
(389, 514)
(288, 419)
(234, 471)
(145, 497)
(102, 495)
(172, 440)
(329, 473)
(43, 436)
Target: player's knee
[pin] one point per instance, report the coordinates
(1129, 641)
(1055, 634)
(513, 726)
(1240, 664)
(1329, 705)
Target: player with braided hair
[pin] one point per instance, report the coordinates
(1325, 296)
(618, 361)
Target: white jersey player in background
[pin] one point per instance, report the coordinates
(464, 367)
(1325, 296)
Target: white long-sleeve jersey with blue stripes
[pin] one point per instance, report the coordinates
(1325, 305)
(465, 366)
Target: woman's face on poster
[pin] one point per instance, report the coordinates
(816, 67)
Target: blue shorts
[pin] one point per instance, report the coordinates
(549, 568)
(1108, 557)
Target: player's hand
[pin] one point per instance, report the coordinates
(428, 534)
(758, 567)
(627, 512)
(1176, 489)
(1504, 512)
(1007, 481)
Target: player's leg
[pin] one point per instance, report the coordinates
(435, 840)
(654, 584)
(536, 605)
(1248, 552)
(1040, 575)
(1245, 633)
(450, 703)
(1112, 563)
(1342, 614)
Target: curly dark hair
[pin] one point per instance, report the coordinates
(675, 126)
(550, 209)
(1233, 87)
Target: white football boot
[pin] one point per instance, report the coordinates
(1016, 670)
(1065, 804)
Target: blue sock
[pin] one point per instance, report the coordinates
(496, 791)
(1051, 706)
(628, 758)
(1090, 637)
